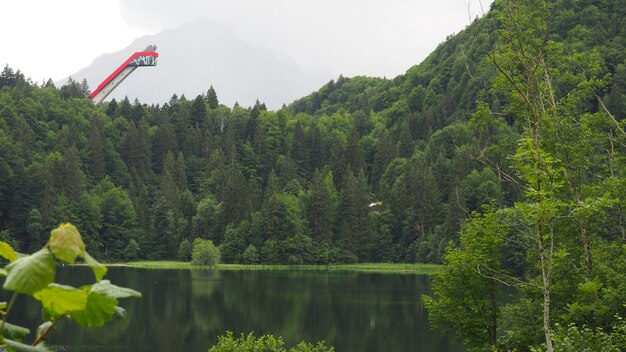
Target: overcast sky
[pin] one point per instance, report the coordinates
(53, 39)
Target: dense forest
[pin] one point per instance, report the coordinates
(501, 155)
(365, 169)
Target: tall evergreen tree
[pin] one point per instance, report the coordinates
(353, 230)
(73, 176)
(321, 206)
(299, 151)
(96, 151)
(119, 222)
(211, 98)
(199, 112)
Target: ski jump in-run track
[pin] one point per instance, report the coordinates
(148, 57)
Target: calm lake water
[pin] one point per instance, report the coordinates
(184, 310)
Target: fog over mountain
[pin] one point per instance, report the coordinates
(379, 38)
(275, 50)
(202, 53)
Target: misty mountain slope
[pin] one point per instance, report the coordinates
(200, 54)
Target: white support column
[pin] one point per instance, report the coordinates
(113, 84)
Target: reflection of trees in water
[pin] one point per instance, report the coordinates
(187, 310)
(352, 311)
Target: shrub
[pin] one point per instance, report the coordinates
(204, 253)
(251, 255)
(132, 250)
(184, 250)
(573, 338)
(299, 249)
(270, 253)
(265, 343)
(232, 245)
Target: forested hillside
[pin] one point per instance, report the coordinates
(288, 186)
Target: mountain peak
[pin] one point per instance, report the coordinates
(239, 71)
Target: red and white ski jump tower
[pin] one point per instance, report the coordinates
(148, 57)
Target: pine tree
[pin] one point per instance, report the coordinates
(385, 153)
(299, 151)
(199, 112)
(35, 230)
(168, 189)
(232, 194)
(405, 141)
(354, 152)
(314, 147)
(96, 151)
(125, 109)
(353, 227)
(163, 142)
(211, 99)
(321, 206)
(73, 176)
(7, 77)
(179, 172)
(119, 222)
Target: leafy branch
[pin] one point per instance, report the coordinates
(33, 275)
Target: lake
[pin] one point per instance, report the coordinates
(185, 310)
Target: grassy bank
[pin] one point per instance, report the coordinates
(389, 268)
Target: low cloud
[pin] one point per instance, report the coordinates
(351, 37)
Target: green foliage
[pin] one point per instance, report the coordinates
(270, 253)
(66, 243)
(97, 311)
(585, 339)
(298, 249)
(73, 89)
(481, 188)
(131, 251)
(233, 245)
(556, 224)
(33, 275)
(353, 229)
(476, 127)
(265, 343)
(204, 253)
(10, 242)
(119, 221)
(58, 300)
(184, 250)
(250, 255)
(159, 174)
(467, 289)
(7, 252)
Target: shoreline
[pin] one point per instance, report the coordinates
(382, 268)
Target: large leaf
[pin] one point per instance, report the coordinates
(7, 252)
(99, 270)
(66, 243)
(58, 300)
(31, 273)
(14, 332)
(99, 309)
(107, 288)
(20, 347)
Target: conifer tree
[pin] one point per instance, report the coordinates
(211, 98)
(321, 206)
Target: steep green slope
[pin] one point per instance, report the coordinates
(455, 75)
